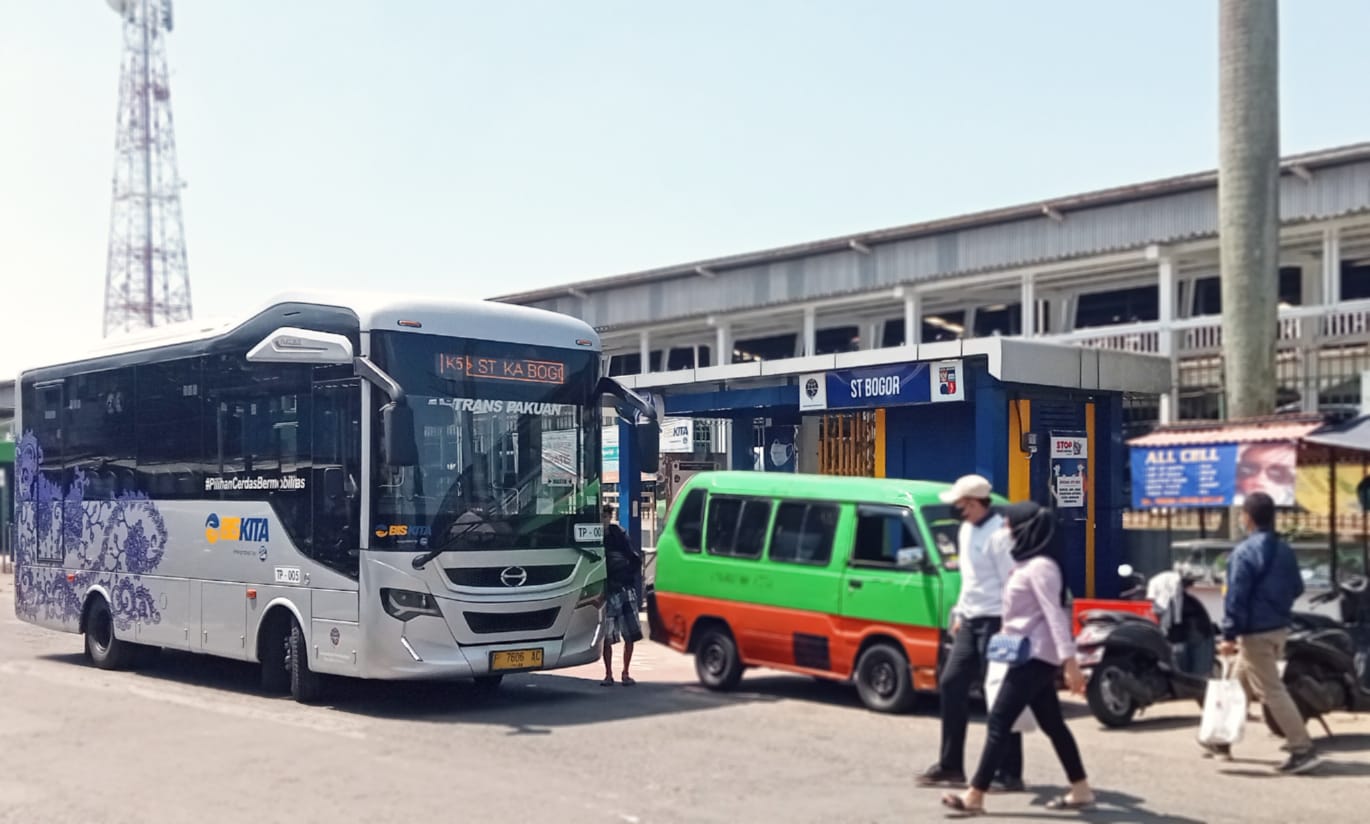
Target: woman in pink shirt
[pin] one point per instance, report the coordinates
(1034, 609)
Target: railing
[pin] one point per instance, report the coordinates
(1345, 323)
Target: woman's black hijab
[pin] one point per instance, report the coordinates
(1034, 533)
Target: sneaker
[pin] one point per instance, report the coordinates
(1223, 751)
(936, 776)
(1300, 763)
(1007, 785)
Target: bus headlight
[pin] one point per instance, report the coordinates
(591, 595)
(406, 604)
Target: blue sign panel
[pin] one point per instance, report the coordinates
(1184, 477)
(900, 383)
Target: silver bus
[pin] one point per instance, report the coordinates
(350, 485)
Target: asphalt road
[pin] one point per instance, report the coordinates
(190, 739)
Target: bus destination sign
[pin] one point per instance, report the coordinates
(525, 370)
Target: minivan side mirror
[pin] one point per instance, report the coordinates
(398, 447)
(910, 557)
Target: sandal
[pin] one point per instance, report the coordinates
(1064, 802)
(607, 682)
(627, 680)
(952, 801)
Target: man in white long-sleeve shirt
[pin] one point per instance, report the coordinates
(985, 560)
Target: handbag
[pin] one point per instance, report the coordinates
(1007, 648)
(1224, 716)
(995, 673)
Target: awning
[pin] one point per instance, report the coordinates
(1352, 434)
(1283, 428)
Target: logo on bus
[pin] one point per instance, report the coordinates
(235, 529)
(400, 531)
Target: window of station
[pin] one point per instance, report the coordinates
(944, 326)
(837, 340)
(1001, 319)
(775, 347)
(1208, 292)
(1119, 306)
(1355, 281)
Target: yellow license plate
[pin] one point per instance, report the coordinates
(516, 659)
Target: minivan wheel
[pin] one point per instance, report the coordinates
(717, 663)
(884, 680)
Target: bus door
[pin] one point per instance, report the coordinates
(336, 475)
(888, 580)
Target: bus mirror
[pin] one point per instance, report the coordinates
(291, 345)
(648, 446)
(1363, 494)
(397, 435)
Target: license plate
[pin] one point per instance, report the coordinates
(516, 659)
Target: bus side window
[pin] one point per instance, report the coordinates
(689, 521)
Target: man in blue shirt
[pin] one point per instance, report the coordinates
(1263, 581)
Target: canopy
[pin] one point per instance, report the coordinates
(1352, 434)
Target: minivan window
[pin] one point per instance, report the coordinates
(737, 526)
(689, 521)
(880, 534)
(803, 533)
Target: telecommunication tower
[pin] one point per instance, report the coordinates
(146, 280)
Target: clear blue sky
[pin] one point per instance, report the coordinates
(475, 149)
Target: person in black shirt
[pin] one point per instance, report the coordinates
(623, 565)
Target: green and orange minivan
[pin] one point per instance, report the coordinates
(835, 577)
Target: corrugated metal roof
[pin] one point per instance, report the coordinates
(1193, 216)
(1253, 431)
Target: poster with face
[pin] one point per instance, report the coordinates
(1269, 468)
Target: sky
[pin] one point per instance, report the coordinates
(474, 149)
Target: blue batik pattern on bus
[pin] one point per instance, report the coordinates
(66, 544)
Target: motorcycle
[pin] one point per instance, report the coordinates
(1326, 665)
(1130, 662)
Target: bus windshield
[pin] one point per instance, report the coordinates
(508, 445)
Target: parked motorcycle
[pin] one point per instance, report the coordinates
(1131, 663)
(1326, 665)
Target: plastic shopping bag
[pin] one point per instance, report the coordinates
(995, 672)
(1224, 718)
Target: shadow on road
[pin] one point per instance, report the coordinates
(528, 704)
(1110, 807)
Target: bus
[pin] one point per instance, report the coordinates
(841, 578)
(335, 485)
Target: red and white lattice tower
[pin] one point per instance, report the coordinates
(146, 279)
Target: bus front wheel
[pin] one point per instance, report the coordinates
(306, 686)
(102, 648)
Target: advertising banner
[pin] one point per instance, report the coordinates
(1069, 462)
(1212, 474)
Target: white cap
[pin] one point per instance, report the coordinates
(967, 486)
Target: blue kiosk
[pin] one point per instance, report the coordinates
(1040, 421)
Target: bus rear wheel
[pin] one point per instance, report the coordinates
(102, 648)
(306, 686)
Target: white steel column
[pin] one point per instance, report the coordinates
(1310, 333)
(723, 345)
(644, 347)
(809, 344)
(913, 318)
(1166, 344)
(1029, 306)
(1331, 266)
